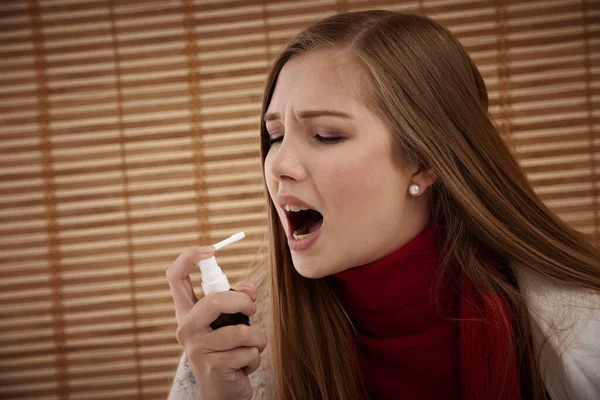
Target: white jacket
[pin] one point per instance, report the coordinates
(568, 316)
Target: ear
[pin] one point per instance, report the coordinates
(424, 178)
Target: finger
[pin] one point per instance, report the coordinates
(178, 278)
(189, 288)
(248, 288)
(230, 337)
(253, 366)
(208, 309)
(235, 359)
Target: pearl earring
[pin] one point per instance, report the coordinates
(414, 189)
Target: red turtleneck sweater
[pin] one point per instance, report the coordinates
(407, 348)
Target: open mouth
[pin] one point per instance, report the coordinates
(303, 222)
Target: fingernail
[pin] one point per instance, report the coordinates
(206, 249)
(245, 285)
(240, 288)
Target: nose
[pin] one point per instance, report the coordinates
(286, 163)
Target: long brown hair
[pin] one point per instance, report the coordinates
(419, 80)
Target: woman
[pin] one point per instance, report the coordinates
(410, 257)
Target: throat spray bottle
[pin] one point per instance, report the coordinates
(214, 280)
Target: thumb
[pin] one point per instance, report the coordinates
(246, 287)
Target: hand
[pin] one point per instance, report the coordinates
(221, 359)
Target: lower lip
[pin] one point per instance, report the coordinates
(303, 244)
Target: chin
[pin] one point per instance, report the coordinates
(310, 270)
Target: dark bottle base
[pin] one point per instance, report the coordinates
(230, 319)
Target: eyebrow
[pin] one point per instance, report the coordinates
(273, 116)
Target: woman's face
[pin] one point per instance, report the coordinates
(329, 153)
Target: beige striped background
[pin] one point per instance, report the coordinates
(129, 131)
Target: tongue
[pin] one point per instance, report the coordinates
(312, 223)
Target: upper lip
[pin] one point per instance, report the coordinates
(290, 200)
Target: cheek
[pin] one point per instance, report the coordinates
(270, 182)
(352, 184)
(363, 189)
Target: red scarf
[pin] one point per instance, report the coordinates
(407, 350)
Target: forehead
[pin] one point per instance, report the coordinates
(318, 79)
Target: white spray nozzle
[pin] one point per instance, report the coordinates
(213, 278)
(232, 239)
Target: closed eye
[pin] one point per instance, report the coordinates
(321, 139)
(275, 139)
(328, 139)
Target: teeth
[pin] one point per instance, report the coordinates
(288, 208)
(300, 237)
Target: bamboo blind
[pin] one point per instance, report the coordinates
(129, 131)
